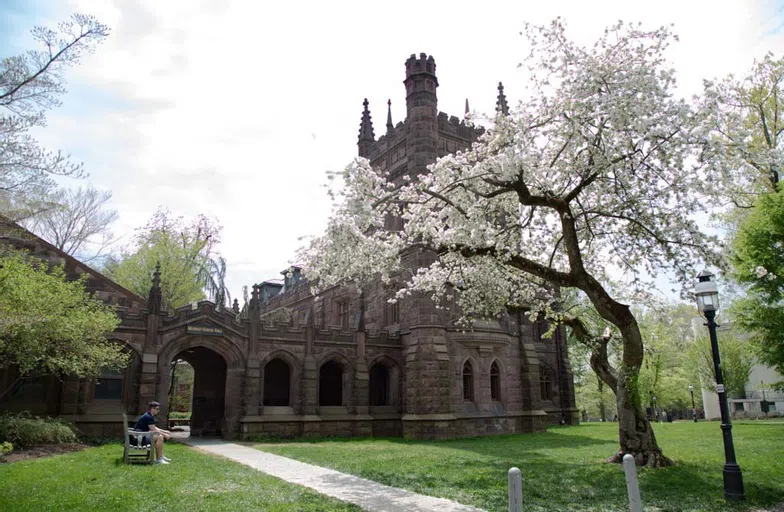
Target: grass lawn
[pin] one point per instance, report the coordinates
(563, 468)
(96, 479)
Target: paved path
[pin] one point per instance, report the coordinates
(367, 494)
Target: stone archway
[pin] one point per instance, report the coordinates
(209, 390)
(219, 367)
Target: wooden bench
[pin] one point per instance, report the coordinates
(179, 423)
(139, 446)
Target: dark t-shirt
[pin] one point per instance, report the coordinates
(144, 422)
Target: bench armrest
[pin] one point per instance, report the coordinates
(149, 433)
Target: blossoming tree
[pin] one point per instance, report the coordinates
(591, 175)
(744, 120)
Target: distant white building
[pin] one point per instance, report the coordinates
(757, 390)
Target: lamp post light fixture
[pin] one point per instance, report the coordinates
(708, 303)
(693, 407)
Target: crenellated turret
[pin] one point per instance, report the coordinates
(421, 83)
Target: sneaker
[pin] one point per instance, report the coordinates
(167, 459)
(161, 461)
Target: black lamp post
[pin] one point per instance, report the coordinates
(693, 407)
(708, 303)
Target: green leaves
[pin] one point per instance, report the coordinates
(736, 360)
(191, 268)
(758, 262)
(51, 325)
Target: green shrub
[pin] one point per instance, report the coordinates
(5, 449)
(24, 431)
(177, 415)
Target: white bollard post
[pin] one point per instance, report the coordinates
(632, 487)
(515, 490)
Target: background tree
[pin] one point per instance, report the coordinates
(594, 172)
(49, 325)
(758, 263)
(191, 267)
(78, 223)
(744, 144)
(31, 84)
(591, 393)
(736, 361)
(666, 370)
(181, 386)
(745, 125)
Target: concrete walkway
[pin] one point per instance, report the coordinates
(367, 494)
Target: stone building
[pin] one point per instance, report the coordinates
(343, 364)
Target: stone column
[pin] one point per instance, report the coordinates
(232, 407)
(363, 426)
(361, 378)
(252, 395)
(428, 405)
(148, 382)
(535, 418)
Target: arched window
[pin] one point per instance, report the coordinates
(545, 383)
(331, 384)
(379, 385)
(277, 383)
(468, 382)
(392, 313)
(109, 386)
(541, 328)
(495, 382)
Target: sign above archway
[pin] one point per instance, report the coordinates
(205, 329)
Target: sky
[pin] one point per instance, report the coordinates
(237, 109)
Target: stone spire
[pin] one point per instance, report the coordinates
(366, 136)
(390, 126)
(154, 299)
(501, 105)
(467, 110)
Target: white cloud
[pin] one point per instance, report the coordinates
(237, 108)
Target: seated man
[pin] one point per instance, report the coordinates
(146, 423)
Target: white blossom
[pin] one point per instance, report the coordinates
(603, 145)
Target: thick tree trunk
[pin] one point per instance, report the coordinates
(602, 413)
(636, 435)
(635, 431)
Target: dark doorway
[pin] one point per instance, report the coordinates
(331, 384)
(209, 390)
(277, 383)
(379, 385)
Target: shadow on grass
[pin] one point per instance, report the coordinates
(552, 438)
(563, 469)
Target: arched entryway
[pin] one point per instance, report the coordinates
(277, 384)
(331, 384)
(209, 389)
(384, 384)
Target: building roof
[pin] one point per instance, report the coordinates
(21, 237)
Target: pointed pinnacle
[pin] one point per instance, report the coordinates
(390, 126)
(366, 125)
(500, 105)
(467, 110)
